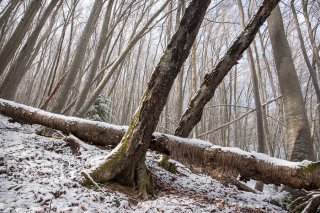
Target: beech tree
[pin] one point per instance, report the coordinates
(17, 70)
(12, 45)
(298, 131)
(126, 163)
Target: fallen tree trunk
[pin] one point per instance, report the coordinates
(200, 155)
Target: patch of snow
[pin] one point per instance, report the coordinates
(40, 174)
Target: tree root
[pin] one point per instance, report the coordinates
(228, 180)
(73, 144)
(167, 165)
(88, 181)
(49, 132)
(306, 204)
(144, 181)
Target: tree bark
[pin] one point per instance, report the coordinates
(12, 45)
(299, 142)
(211, 81)
(17, 70)
(78, 59)
(197, 154)
(126, 162)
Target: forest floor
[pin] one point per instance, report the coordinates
(42, 174)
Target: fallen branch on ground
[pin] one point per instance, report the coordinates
(197, 154)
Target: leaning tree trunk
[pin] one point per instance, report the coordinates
(12, 45)
(211, 81)
(126, 162)
(16, 72)
(79, 57)
(96, 59)
(256, 93)
(298, 132)
(200, 155)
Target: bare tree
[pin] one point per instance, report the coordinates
(12, 45)
(298, 132)
(18, 69)
(78, 58)
(211, 81)
(126, 163)
(111, 70)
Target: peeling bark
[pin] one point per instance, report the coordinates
(199, 155)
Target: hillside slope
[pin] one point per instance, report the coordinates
(41, 174)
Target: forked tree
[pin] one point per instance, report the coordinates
(126, 163)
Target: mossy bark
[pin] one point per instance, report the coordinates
(126, 164)
(167, 165)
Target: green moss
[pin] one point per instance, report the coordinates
(111, 164)
(144, 181)
(149, 186)
(164, 163)
(311, 167)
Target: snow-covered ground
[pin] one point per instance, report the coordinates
(40, 174)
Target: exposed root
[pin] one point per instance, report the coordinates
(313, 204)
(259, 186)
(228, 180)
(307, 204)
(49, 132)
(167, 165)
(88, 181)
(74, 145)
(144, 181)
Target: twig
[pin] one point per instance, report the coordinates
(242, 116)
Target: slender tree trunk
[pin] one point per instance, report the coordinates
(17, 70)
(211, 81)
(315, 48)
(79, 57)
(12, 45)
(179, 97)
(117, 62)
(6, 15)
(96, 59)
(298, 132)
(312, 72)
(255, 85)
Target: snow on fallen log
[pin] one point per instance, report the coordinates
(198, 154)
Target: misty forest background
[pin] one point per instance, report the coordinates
(93, 59)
